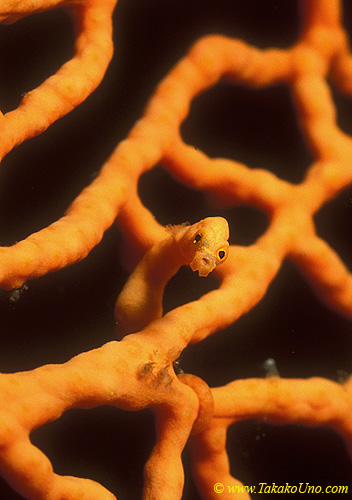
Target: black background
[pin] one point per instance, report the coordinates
(71, 311)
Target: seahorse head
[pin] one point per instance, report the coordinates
(205, 244)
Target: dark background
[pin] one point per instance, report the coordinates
(71, 311)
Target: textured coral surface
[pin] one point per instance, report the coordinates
(71, 311)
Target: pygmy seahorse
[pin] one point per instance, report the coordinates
(202, 246)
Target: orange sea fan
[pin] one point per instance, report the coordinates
(264, 133)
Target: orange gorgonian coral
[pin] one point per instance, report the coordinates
(253, 115)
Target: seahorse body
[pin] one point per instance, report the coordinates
(202, 246)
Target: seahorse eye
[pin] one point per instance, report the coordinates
(197, 238)
(221, 254)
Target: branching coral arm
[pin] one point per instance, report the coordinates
(22, 458)
(108, 375)
(66, 241)
(210, 464)
(320, 13)
(309, 402)
(342, 71)
(43, 395)
(317, 401)
(317, 116)
(140, 230)
(72, 83)
(163, 472)
(327, 273)
(225, 180)
(70, 239)
(12, 10)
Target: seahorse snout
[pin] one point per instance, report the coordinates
(204, 263)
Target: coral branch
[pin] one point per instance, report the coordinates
(72, 83)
